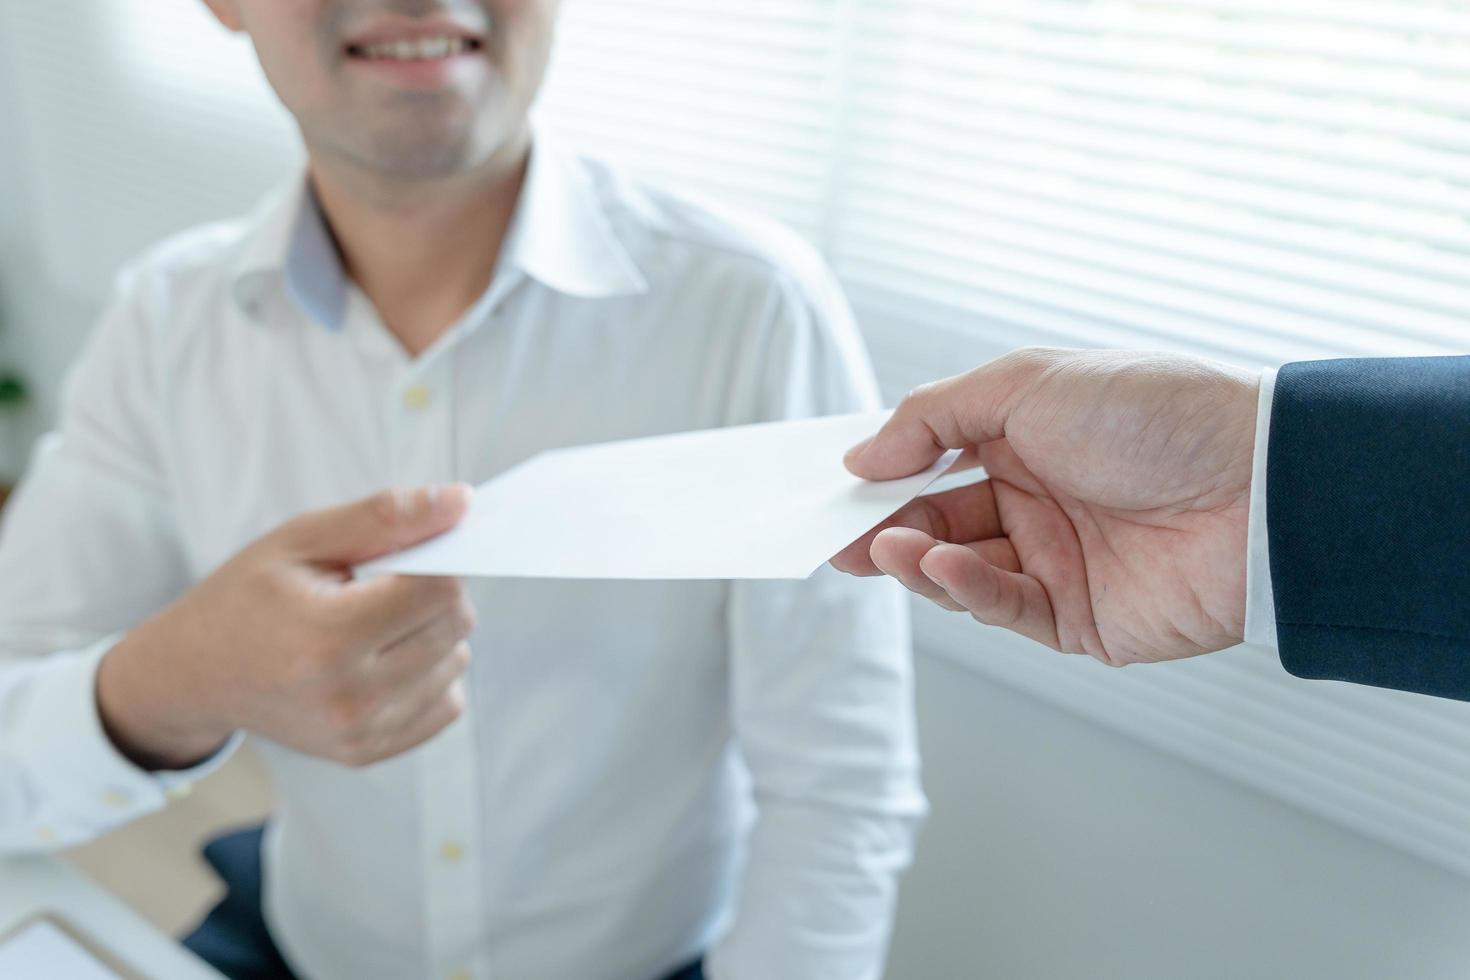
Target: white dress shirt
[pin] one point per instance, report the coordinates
(645, 770)
(1260, 601)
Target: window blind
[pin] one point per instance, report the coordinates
(136, 119)
(1254, 181)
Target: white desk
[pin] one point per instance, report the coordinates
(29, 885)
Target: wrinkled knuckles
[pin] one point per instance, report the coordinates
(1034, 356)
(1033, 352)
(921, 393)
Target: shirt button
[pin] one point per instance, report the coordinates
(451, 851)
(417, 398)
(460, 975)
(46, 834)
(178, 791)
(116, 799)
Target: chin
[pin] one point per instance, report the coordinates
(421, 156)
(430, 147)
(423, 163)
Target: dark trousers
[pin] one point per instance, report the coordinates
(233, 938)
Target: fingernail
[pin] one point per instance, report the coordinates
(453, 494)
(431, 499)
(857, 450)
(936, 579)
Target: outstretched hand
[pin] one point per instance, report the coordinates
(1114, 518)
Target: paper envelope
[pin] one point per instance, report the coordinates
(770, 501)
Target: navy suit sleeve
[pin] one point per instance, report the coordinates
(1368, 509)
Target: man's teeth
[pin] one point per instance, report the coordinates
(422, 49)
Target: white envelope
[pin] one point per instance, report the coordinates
(769, 501)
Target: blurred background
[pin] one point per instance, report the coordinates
(1253, 181)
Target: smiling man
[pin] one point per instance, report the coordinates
(511, 779)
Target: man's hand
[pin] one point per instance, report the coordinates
(281, 641)
(1114, 519)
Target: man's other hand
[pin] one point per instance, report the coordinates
(1114, 518)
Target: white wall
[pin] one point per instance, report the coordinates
(1060, 850)
(99, 160)
(14, 225)
(42, 327)
(42, 324)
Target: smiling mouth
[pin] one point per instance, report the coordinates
(416, 49)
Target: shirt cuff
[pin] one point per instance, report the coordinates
(1260, 601)
(86, 786)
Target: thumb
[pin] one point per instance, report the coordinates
(378, 525)
(955, 413)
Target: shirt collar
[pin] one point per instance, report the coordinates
(293, 249)
(561, 235)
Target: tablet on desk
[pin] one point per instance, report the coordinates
(47, 947)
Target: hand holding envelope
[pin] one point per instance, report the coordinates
(769, 501)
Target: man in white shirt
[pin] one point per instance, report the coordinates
(502, 778)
